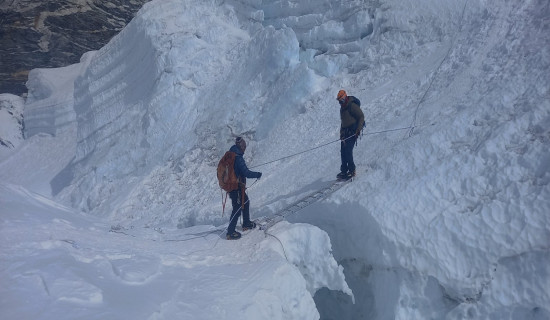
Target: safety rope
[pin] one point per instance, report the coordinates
(280, 242)
(436, 72)
(331, 142)
(226, 193)
(296, 154)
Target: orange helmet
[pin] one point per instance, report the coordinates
(341, 95)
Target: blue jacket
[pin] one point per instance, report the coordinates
(241, 170)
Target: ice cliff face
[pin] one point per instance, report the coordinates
(138, 102)
(45, 34)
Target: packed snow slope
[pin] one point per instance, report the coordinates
(60, 265)
(452, 194)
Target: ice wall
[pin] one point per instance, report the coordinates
(49, 107)
(137, 101)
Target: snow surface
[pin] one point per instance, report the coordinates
(110, 207)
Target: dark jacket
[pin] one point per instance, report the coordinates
(352, 118)
(241, 170)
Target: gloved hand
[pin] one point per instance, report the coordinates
(357, 134)
(259, 175)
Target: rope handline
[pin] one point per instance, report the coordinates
(389, 130)
(282, 246)
(331, 142)
(293, 155)
(436, 72)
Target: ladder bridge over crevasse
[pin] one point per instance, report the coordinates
(267, 222)
(264, 223)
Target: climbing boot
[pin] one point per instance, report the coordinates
(233, 235)
(249, 225)
(341, 175)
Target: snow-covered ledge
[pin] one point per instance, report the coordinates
(62, 261)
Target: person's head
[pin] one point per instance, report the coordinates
(341, 96)
(240, 143)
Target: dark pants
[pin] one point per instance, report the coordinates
(346, 154)
(236, 201)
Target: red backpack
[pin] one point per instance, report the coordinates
(227, 179)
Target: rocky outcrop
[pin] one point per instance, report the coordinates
(11, 122)
(51, 34)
